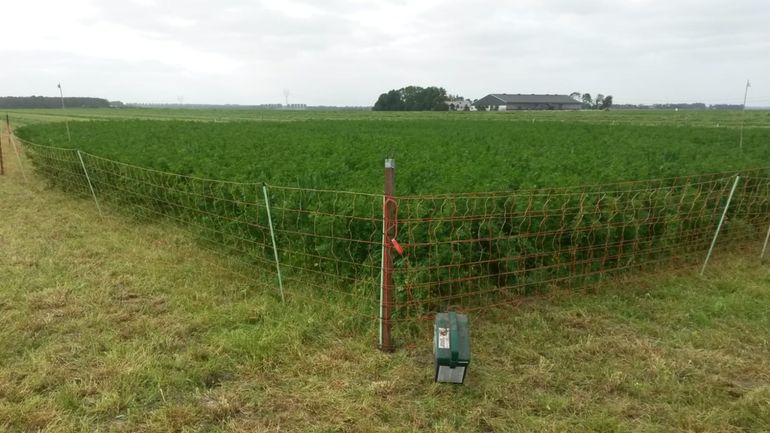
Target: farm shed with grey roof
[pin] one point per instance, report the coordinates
(528, 102)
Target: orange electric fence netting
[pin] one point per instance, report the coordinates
(466, 250)
(476, 250)
(328, 243)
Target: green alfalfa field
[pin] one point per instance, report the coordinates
(113, 325)
(434, 152)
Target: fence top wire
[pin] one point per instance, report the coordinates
(755, 178)
(327, 191)
(608, 187)
(29, 143)
(201, 179)
(167, 173)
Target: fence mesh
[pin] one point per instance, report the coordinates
(328, 242)
(476, 250)
(60, 167)
(460, 251)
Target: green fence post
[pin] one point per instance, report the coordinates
(719, 226)
(764, 247)
(90, 186)
(275, 246)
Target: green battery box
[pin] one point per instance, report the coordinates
(451, 347)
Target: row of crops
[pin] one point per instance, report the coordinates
(469, 249)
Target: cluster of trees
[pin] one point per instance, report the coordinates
(51, 102)
(601, 102)
(413, 98)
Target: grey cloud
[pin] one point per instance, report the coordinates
(641, 50)
(237, 27)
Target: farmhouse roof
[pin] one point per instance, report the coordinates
(533, 99)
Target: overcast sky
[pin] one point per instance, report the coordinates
(346, 52)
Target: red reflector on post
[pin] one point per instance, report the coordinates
(398, 247)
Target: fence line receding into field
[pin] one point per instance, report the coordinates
(451, 251)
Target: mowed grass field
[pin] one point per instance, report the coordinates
(112, 325)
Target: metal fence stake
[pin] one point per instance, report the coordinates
(389, 220)
(719, 226)
(382, 277)
(90, 186)
(275, 246)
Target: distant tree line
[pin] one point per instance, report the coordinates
(680, 106)
(51, 102)
(413, 98)
(601, 102)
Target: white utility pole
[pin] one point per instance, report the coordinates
(66, 122)
(743, 112)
